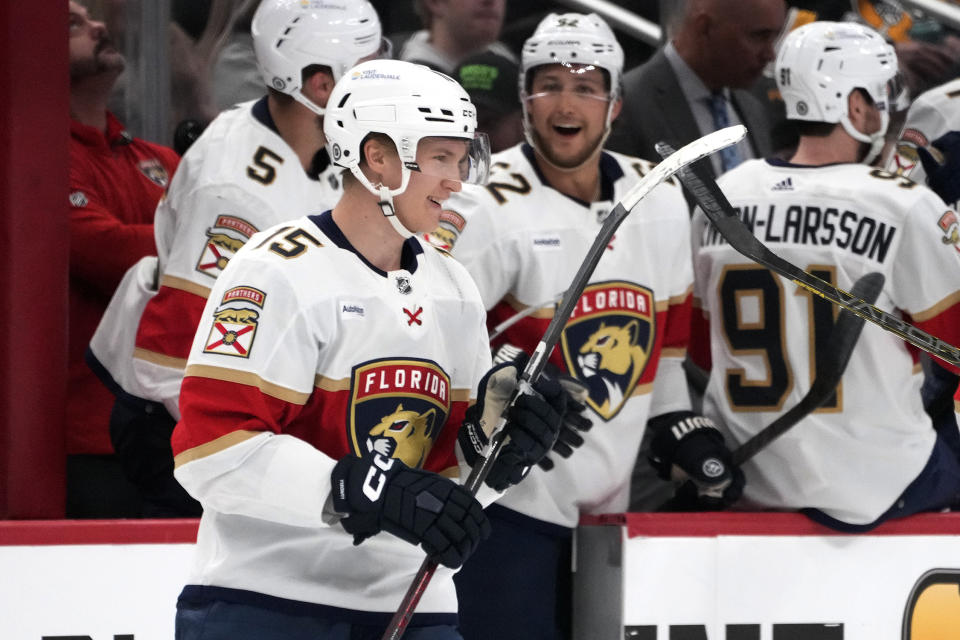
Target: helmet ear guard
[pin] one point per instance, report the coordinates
(820, 64)
(290, 36)
(407, 103)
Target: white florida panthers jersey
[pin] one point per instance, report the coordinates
(853, 456)
(304, 354)
(932, 114)
(523, 242)
(239, 177)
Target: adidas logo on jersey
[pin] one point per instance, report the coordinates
(784, 185)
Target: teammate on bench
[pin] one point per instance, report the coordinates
(870, 453)
(525, 234)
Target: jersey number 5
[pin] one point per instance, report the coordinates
(761, 332)
(261, 170)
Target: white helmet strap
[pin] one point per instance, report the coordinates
(385, 197)
(875, 139)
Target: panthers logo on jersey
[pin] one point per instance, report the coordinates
(951, 229)
(398, 408)
(607, 342)
(234, 328)
(221, 244)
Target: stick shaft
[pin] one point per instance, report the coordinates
(718, 209)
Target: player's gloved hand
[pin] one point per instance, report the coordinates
(943, 179)
(574, 420)
(378, 493)
(686, 446)
(533, 424)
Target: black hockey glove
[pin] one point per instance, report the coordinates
(382, 494)
(533, 424)
(943, 179)
(686, 446)
(574, 420)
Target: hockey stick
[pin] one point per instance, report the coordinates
(833, 359)
(718, 209)
(833, 362)
(697, 149)
(520, 315)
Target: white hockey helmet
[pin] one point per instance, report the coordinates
(571, 39)
(407, 102)
(290, 35)
(819, 64)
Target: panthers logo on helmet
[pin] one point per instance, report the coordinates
(220, 245)
(398, 408)
(607, 342)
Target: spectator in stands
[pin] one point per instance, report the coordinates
(698, 82)
(453, 30)
(116, 181)
(870, 453)
(256, 165)
(491, 80)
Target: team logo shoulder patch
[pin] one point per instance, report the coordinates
(608, 340)
(234, 327)
(222, 242)
(154, 172)
(448, 230)
(951, 229)
(397, 408)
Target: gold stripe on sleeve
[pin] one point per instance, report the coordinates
(185, 285)
(214, 446)
(250, 379)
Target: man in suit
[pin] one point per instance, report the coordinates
(698, 82)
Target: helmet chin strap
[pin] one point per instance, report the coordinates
(385, 198)
(307, 102)
(875, 139)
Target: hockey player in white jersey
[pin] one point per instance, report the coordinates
(928, 152)
(255, 165)
(523, 237)
(870, 453)
(333, 365)
(931, 135)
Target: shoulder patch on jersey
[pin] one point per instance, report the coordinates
(398, 408)
(448, 230)
(154, 171)
(608, 340)
(905, 158)
(232, 332)
(221, 245)
(247, 294)
(78, 199)
(951, 229)
(915, 136)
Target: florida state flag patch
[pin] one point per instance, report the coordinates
(606, 343)
(234, 328)
(222, 242)
(397, 408)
